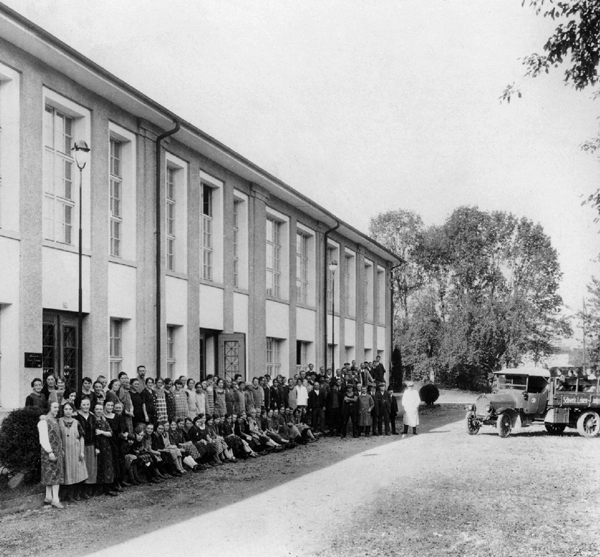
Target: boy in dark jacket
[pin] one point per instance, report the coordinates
(393, 410)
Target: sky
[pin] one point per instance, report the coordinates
(366, 106)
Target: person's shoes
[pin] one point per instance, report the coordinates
(125, 484)
(57, 504)
(117, 488)
(387, 432)
(47, 501)
(395, 433)
(113, 493)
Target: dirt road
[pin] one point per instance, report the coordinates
(440, 493)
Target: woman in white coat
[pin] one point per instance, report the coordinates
(410, 403)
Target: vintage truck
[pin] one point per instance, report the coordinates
(531, 396)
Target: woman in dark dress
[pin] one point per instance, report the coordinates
(88, 424)
(118, 426)
(137, 402)
(106, 473)
(148, 402)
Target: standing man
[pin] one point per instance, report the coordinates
(317, 400)
(383, 406)
(349, 411)
(379, 370)
(141, 375)
(410, 403)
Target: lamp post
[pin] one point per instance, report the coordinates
(332, 268)
(81, 154)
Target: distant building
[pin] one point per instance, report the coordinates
(241, 261)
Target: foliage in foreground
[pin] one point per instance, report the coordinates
(19, 445)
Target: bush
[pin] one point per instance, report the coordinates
(19, 442)
(429, 393)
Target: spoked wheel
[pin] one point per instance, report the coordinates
(588, 424)
(555, 429)
(504, 425)
(473, 424)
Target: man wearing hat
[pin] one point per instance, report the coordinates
(349, 411)
(383, 405)
(410, 403)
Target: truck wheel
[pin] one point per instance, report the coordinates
(588, 424)
(555, 429)
(473, 424)
(504, 424)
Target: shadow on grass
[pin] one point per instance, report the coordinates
(145, 509)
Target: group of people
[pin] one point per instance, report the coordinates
(110, 435)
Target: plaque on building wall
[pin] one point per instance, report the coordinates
(33, 359)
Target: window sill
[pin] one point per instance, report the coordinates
(211, 283)
(239, 290)
(177, 275)
(119, 261)
(280, 300)
(65, 247)
(305, 306)
(12, 234)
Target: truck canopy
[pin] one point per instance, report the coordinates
(527, 370)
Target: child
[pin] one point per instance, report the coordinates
(393, 411)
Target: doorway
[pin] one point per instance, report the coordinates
(59, 346)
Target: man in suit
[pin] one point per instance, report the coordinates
(383, 406)
(379, 370)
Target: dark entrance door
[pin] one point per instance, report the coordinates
(232, 355)
(59, 346)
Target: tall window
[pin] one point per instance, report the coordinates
(368, 293)
(301, 268)
(170, 212)
(273, 258)
(59, 204)
(116, 347)
(207, 232)
(171, 360)
(380, 295)
(301, 355)
(116, 197)
(330, 278)
(236, 243)
(273, 356)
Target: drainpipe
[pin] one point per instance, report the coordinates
(157, 203)
(326, 269)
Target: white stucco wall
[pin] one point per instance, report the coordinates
(211, 307)
(277, 320)
(60, 277)
(240, 313)
(368, 336)
(305, 324)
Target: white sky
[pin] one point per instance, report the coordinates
(365, 106)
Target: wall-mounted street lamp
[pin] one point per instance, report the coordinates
(81, 153)
(333, 265)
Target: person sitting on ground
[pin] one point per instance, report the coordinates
(189, 452)
(224, 453)
(143, 464)
(157, 458)
(170, 454)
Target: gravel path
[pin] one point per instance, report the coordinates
(440, 493)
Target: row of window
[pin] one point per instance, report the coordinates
(62, 126)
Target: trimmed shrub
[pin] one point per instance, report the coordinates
(429, 393)
(19, 442)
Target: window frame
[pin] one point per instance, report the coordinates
(273, 356)
(207, 231)
(116, 182)
(115, 346)
(171, 351)
(273, 242)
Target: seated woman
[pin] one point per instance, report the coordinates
(270, 426)
(198, 435)
(224, 453)
(304, 430)
(241, 449)
(255, 430)
(189, 453)
(169, 453)
(143, 464)
(240, 428)
(157, 458)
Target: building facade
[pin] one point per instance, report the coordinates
(235, 279)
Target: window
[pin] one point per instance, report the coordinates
(302, 355)
(349, 284)
(171, 360)
(273, 258)
(368, 291)
(116, 197)
(380, 295)
(116, 347)
(170, 212)
(59, 204)
(273, 356)
(301, 267)
(207, 232)
(236, 243)
(331, 256)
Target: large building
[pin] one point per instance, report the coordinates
(235, 279)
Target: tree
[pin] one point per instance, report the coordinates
(591, 322)
(576, 37)
(400, 231)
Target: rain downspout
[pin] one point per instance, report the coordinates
(326, 270)
(157, 203)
